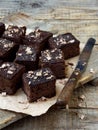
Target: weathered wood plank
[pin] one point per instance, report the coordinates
(67, 15)
(83, 29)
(89, 94)
(42, 9)
(60, 120)
(7, 118)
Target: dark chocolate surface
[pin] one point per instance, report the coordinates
(39, 76)
(67, 43)
(26, 53)
(52, 56)
(14, 33)
(8, 69)
(63, 39)
(5, 46)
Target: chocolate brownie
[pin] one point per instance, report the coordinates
(2, 28)
(53, 59)
(7, 50)
(38, 39)
(27, 56)
(10, 77)
(15, 33)
(39, 83)
(67, 43)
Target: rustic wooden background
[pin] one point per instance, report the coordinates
(79, 17)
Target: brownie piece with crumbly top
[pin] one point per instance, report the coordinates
(39, 83)
(67, 43)
(15, 33)
(38, 39)
(54, 59)
(27, 56)
(10, 77)
(7, 50)
(2, 28)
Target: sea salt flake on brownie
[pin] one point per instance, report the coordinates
(29, 82)
(28, 50)
(10, 72)
(71, 41)
(19, 54)
(39, 73)
(4, 65)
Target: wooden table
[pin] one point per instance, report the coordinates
(79, 17)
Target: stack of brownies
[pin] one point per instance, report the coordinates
(33, 61)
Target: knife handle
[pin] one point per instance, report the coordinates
(63, 99)
(67, 91)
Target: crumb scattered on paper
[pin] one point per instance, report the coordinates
(4, 94)
(92, 70)
(42, 99)
(23, 102)
(62, 81)
(81, 116)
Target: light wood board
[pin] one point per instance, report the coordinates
(58, 16)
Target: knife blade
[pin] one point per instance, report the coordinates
(66, 93)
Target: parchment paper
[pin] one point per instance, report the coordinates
(19, 103)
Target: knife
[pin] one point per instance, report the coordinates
(66, 93)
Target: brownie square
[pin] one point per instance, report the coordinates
(10, 77)
(7, 50)
(39, 83)
(15, 33)
(38, 39)
(28, 57)
(53, 59)
(67, 43)
(2, 28)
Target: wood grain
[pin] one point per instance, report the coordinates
(56, 9)
(59, 16)
(59, 120)
(7, 118)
